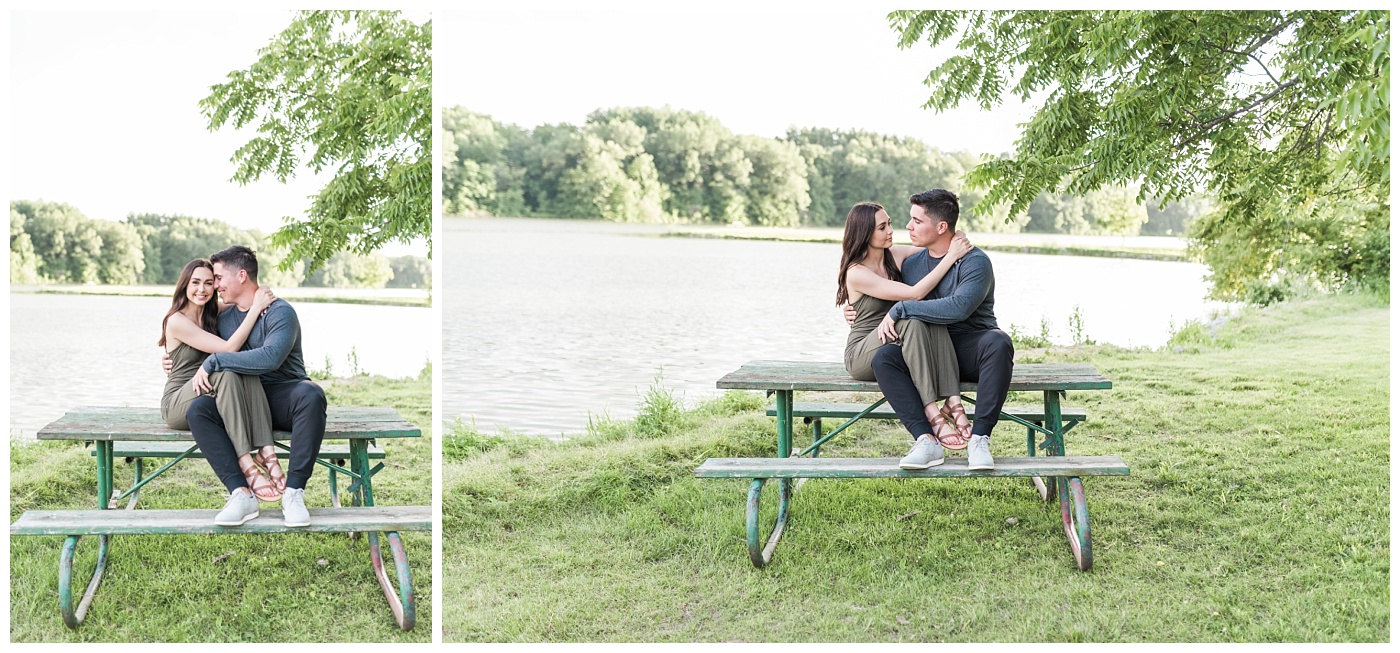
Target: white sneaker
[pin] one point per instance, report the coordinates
(294, 507)
(979, 452)
(925, 454)
(241, 507)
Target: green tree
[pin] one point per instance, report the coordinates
(1269, 112)
(355, 89)
(776, 195)
(478, 175)
(168, 242)
(70, 248)
(1173, 218)
(349, 270)
(121, 260)
(410, 272)
(24, 263)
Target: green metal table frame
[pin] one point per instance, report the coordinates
(784, 378)
(402, 601)
(1074, 508)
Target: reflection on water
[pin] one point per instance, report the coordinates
(547, 321)
(84, 350)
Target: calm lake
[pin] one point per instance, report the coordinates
(85, 350)
(548, 321)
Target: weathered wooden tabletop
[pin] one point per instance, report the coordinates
(798, 375)
(131, 424)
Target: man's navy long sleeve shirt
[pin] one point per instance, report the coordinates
(962, 299)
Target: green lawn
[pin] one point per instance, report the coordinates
(223, 588)
(1257, 510)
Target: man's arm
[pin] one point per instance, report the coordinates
(974, 282)
(282, 329)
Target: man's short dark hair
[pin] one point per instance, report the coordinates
(238, 257)
(939, 204)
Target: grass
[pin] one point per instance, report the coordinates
(1257, 510)
(223, 588)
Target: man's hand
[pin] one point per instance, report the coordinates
(201, 382)
(850, 313)
(165, 362)
(886, 329)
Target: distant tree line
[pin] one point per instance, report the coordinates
(55, 243)
(645, 164)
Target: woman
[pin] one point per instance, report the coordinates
(189, 333)
(870, 280)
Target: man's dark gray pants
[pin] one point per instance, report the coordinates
(297, 406)
(983, 356)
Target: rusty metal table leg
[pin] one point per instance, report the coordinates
(1074, 512)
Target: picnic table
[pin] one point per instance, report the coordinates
(138, 433)
(1053, 473)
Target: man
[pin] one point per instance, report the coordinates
(298, 404)
(963, 301)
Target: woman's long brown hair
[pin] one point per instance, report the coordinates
(209, 319)
(855, 244)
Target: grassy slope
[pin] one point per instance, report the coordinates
(223, 588)
(1257, 509)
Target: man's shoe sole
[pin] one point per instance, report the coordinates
(246, 519)
(932, 464)
(982, 468)
(291, 525)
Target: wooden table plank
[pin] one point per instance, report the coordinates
(889, 467)
(141, 423)
(826, 376)
(148, 522)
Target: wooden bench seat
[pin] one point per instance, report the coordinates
(191, 522)
(158, 449)
(844, 410)
(889, 467)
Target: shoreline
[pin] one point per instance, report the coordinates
(1153, 248)
(1044, 248)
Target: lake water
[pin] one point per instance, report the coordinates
(548, 321)
(84, 350)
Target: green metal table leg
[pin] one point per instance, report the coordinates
(784, 404)
(1074, 513)
(135, 490)
(1036, 482)
(403, 602)
(816, 436)
(335, 491)
(1054, 422)
(761, 554)
(104, 474)
(71, 617)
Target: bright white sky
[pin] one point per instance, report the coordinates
(104, 115)
(758, 71)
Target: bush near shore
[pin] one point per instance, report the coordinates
(223, 588)
(1257, 510)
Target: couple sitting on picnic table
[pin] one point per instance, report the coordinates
(233, 353)
(921, 320)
